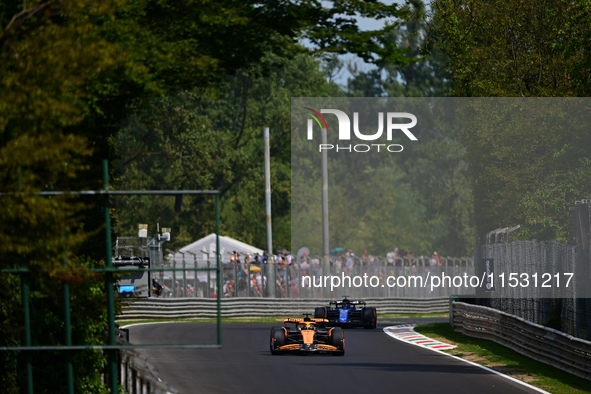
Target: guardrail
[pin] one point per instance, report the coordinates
(177, 308)
(136, 375)
(540, 343)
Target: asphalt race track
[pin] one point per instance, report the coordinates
(373, 363)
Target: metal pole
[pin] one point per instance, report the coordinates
(299, 259)
(184, 275)
(173, 283)
(208, 275)
(109, 285)
(325, 248)
(267, 159)
(208, 278)
(236, 281)
(247, 268)
(195, 279)
(219, 266)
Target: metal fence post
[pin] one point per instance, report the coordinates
(219, 266)
(184, 276)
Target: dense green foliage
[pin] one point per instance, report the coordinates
(47, 54)
(416, 200)
(504, 49)
(72, 74)
(175, 94)
(530, 162)
(195, 141)
(430, 182)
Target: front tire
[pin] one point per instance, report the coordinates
(277, 339)
(337, 339)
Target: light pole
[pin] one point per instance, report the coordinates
(267, 160)
(325, 234)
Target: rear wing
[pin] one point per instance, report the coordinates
(305, 320)
(338, 303)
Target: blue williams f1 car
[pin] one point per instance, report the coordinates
(347, 313)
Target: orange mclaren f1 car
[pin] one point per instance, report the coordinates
(307, 336)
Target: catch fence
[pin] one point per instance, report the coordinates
(563, 308)
(304, 278)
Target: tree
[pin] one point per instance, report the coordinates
(70, 73)
(194, 141)
(48, 51)
(42, 234)
(436, 168)
(505, 49)
(527, 163)
(523, 170)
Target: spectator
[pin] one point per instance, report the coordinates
(435, 262)
(315, 265)
(390, 257)
(259, 281)
(156, 288)
(281, 287)
(397, 259)
(349, 263)
(364, 258)
(356, 261)
(167, 292)
(407, 258)
(338, 265)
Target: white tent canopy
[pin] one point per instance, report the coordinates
(199, 250)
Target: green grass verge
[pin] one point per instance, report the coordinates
(412, 315)
(505, 360)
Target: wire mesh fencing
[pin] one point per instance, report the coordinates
(556, 291)
(372, 277)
